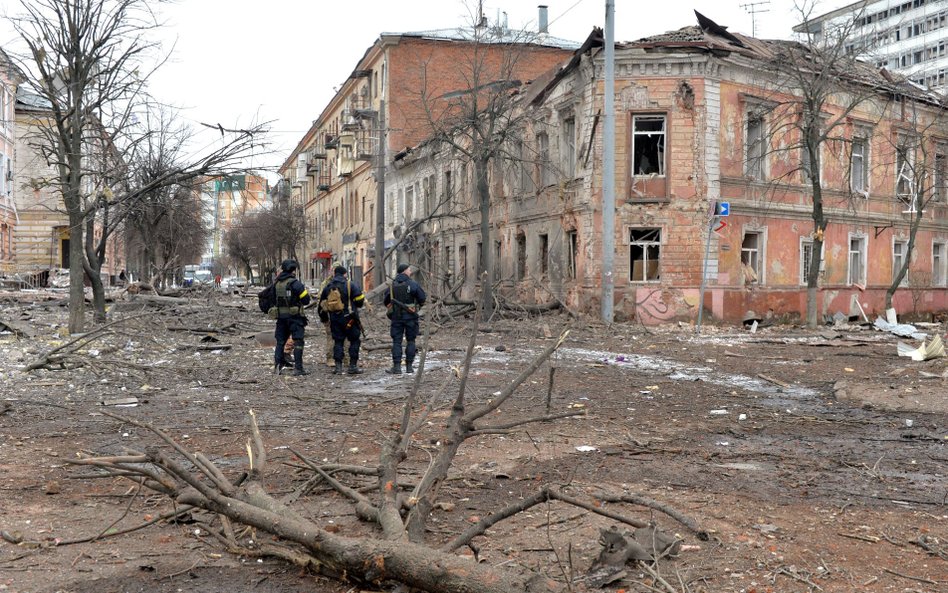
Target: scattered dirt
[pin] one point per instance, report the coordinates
(818, 462)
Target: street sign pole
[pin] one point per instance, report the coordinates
(720, 209)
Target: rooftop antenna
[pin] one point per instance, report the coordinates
(753, 8)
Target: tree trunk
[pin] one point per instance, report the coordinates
(77, 274)
(486, 272)
(92, 267)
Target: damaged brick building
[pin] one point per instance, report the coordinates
(698, 120)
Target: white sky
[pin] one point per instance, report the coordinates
(237, 62)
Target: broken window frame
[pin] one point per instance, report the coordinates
(856, 261)
(641, 136)
(462, 262)
(753, 256)
(572, 247)
(543, 253)
(645, 242)
(939, 263)
(904, 171)
(498, 260)
(521, 253)
(569, 147)
(899, 255)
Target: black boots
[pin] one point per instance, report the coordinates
(338, 369)
(408, 367)
(355, 370)
(395, 370)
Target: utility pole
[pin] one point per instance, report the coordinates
(379, 263)
(609, 170)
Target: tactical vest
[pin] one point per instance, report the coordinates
(402, 298)
(287, 303)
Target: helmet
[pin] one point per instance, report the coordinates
(289, 265)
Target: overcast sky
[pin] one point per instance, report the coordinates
(240, 61)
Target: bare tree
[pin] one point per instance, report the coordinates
(263, 238)
(816, 84)
(89, 60)
(918, 161)
(479, 121)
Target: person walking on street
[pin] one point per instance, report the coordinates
(291, 298)
(403, 300)
(340, 299)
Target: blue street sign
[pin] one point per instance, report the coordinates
(723, 209)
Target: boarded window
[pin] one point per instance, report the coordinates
(645, 253)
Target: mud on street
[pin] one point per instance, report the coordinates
(816, 461)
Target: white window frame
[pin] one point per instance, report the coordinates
(645, 245)
(544, 174)
(759, 169)
(663, 133)
(760, 269)
(899, 255)
(804, 262)
(940, 268)
(865, 156)
(940, 173)
(863, 261)
(904, 164)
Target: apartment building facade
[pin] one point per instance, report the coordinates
(402, 80)
(909, 37)
(10, 79)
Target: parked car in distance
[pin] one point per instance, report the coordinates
(233, 282)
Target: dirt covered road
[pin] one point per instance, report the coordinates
(816, 461)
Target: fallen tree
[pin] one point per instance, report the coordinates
(401, 551)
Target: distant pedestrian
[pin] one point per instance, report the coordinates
(340, 299)
(291, 298)
(403, 300)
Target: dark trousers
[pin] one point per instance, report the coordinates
(294, 326)
(406, 328)
(337, 325)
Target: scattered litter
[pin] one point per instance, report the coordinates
(122, 402)
(718, 412)
(849, 370)
(904, 330)
(723, 443)
(586, 448)
(929, 351)
(742, 417)
(891, 316)
(909, 422)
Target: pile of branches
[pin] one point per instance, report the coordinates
(400, 550)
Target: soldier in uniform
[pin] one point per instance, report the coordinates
(403, 300)
(340, 299)
(291, 297)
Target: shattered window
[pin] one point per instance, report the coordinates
(904, 170)
(751, 257)
(572, 244)
(521, 256)
(648, 145)
(543, 159)
(645, 247)
(941, 169)
(569, 147)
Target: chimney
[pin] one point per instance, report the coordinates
(543, 26)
